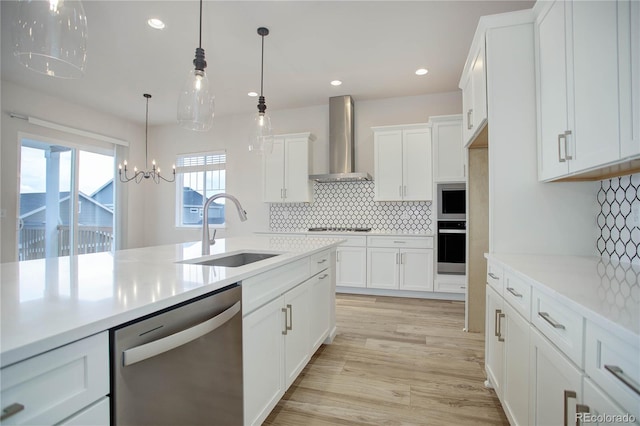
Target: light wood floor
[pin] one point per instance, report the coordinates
(394, 361)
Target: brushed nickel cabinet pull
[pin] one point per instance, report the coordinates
(285, 321)
(514, 292)
(561, 137)
(494, 276)
(469, 124)
(567, 394)
(496, 332)
(617, 371)
(566, 147)
(11, 410)
(290, 326)
(322, 277)
(322, 261)
(555, 324)
(500, 316)
(581, 408)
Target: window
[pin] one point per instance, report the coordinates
(53, 178)
(198, 177)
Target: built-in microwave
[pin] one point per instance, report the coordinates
(452, 201)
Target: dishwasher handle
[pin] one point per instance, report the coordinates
(157, 347)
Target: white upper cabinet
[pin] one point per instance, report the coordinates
(448, 151)
(584, 60)
(286, 170)
(403, 170)
(474, 95)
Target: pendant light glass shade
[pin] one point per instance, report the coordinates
(261, 138)
(50, 37)
(196, 101)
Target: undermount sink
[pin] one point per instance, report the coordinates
(232, 260)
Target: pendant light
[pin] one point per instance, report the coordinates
(50, 37)
(196, 102)
(139, 175)
(261, 139)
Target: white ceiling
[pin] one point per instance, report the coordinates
(374, 47)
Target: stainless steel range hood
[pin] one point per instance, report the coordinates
(341, 144)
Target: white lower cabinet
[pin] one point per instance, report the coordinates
(556, 384)
(494, 342)
(515, 332)
(351, 266)
(280, 336)
(94, 415)
(599, 408)
(58, 385)
(400, 263)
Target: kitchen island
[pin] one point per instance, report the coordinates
(49, 303)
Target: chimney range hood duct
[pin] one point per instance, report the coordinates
(341, 144)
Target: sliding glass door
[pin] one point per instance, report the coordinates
(66, 201)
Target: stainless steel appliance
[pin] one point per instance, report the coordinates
(452, 203)
(452, 235)
(452, 228)
(181, 366)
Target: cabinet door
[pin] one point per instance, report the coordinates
(417, 174)
(416, 270)
(515, 330)
(297, 334)
(351, 266)
(382, 265)
(596, 135)
(296, 170)
(629, 75)
(494, 340)
(555, 384)
(479, 77)
(467, 110)
(263, 360)
(552, 92)
(319, 308)
(448, 164)
(598, 403)
(388, 165)
(273, 170)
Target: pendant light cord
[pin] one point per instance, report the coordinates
(262, 68)
(200, 36)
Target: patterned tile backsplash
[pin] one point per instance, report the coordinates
(618, 239)
(350, 204)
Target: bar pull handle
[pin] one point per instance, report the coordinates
(617, 371)
(399, 242)
(397, 261)
(321, 261)
(581, 408)
(469, 124)
(165, 344)
(500, 316)
(290, 326)
(561, 138)
(494, 276)
(497, 325)
(566, 147)
(514, 292)
(567, 394)
(11, 410)
(322, 277)
(555, 324)
(284, 310)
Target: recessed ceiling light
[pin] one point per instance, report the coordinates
(156, 23)
(252, 94)
(422, 71)
(336, 83)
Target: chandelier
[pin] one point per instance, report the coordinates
(139, 175)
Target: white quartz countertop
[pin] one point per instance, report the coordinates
(351, 233)
(604, 291)
(48, 303)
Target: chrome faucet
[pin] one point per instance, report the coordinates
(206, 241)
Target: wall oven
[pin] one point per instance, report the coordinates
(452, 229)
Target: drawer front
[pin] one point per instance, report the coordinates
(319, 262)
(58, 383)
(495, 276)
(351, 239)
(614, 365)
(451, 283)
(559, 324)
(517, 292)
(95, 415)
(400, 242)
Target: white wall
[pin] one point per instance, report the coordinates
(20, 100)
(244, 170)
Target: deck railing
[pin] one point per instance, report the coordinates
(91, 239)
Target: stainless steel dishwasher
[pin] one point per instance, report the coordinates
(180, 366)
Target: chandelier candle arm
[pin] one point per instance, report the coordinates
(139, 175)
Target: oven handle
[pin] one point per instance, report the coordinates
(452, 231)
(151, 349)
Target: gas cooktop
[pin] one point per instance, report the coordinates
(339, 229)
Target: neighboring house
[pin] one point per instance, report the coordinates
(192, 203)
(104, 195)
(90, 211)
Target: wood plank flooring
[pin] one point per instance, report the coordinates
(394, 361)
